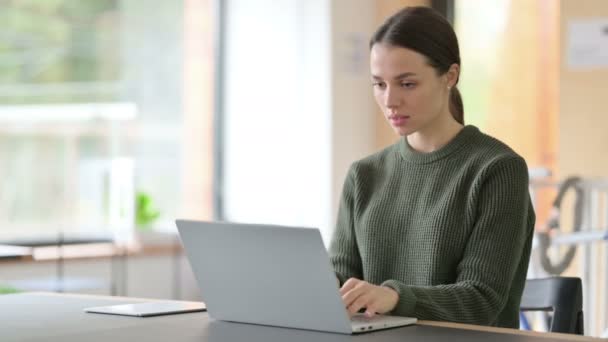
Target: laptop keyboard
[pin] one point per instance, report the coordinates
(361, 318)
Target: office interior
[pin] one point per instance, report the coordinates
(116, 119)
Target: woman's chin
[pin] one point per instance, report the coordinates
(403, 131)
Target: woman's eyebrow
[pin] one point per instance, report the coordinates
(398, 77)
(404, 75)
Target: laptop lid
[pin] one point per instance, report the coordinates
(263, 274)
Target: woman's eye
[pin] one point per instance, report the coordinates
(380, 85)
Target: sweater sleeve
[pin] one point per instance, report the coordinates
(491, 257)
(343, 250)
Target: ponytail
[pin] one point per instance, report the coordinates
(456, 106)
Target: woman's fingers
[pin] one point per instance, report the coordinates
(349, 285)
(370, 310)
(361, 302)
(351, 290)
(358, 294)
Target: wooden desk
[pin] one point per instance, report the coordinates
(59, 317)
(8, 252)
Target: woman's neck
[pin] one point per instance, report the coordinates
(435, 135)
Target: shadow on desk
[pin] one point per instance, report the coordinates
(220, 331)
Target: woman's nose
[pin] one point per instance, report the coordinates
(391, 98)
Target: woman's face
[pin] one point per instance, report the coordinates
(408, 90)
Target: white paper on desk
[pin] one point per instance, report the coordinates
(587, 44)
(146, 309)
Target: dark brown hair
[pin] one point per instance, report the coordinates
(427, 32)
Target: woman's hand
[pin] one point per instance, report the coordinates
(358, 294)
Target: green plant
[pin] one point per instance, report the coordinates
(7, 290)
(145, 213)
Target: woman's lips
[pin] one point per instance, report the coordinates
(398, 120)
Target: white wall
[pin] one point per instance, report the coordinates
(276, 100)
(353, 108)
(298, 107)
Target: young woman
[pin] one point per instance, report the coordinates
(439, 225)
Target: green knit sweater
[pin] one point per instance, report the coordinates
(450, 231)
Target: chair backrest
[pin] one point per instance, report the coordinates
(563, 296)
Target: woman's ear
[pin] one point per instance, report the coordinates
(453, 74)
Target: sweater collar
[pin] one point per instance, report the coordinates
(464, 137)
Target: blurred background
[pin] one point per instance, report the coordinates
(119, 116)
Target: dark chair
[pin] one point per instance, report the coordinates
(561, 295)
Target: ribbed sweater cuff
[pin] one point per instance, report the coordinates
(341, 278)
(407, 299)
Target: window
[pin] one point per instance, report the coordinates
(96, 106)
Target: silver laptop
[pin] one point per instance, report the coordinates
(271, 275)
